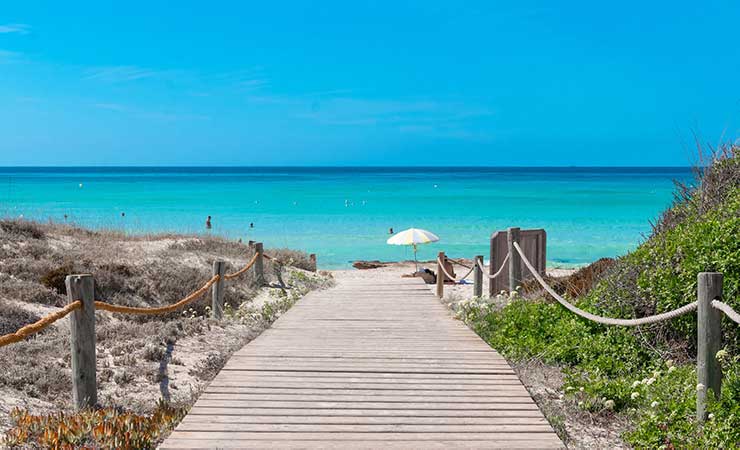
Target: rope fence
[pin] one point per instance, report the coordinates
(80, 292)
(447, 274)
(727, 309)
(600, 319)
(39, 325)
(478, 269)
(231, 276)
(162, 309)
(708, 309)
(498, 272)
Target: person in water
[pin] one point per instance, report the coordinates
(390, 230)
(208, 223)
(251, 225)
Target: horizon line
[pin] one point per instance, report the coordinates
(342, 167)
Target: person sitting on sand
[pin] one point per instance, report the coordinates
(208, 223)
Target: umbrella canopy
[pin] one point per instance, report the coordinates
(412, 236)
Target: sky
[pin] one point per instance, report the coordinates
(430, 83)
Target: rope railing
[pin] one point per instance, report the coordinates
(727, 309)
(600, 319)
(498, 272)
(44, 322)
(80, 294)
(230, 276)
(708, 307)
(195, 295)
(39, 325)
(459, 263)
(457, 280)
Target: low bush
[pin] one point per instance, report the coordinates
(100, 428)
(13, 317)
(609, 371)
(23, 228)
(290, 257)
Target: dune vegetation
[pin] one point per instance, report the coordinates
(149, 368)
(642, 378)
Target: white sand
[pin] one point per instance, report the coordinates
(461, 291)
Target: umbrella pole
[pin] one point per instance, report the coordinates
(416, 263)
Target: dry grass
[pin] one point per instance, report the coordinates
(14, 317)
(140, 358)
(575, 285)
(716, 175)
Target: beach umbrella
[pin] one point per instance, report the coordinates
(413, 237)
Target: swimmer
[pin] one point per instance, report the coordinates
(390, 230)
(208, 223)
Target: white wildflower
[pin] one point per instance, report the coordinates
(656, 374)
(636, 383)
(671, 369)
(609, 404)
(654, 404)
(580, 404)
(650, 381)
(700, 387)
(635, 395)
(669, 363)
(710, 416)
(581, 389)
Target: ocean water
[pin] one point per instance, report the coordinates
(343, 214)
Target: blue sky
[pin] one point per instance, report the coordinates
(366, 83)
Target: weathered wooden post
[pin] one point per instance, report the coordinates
(82, 342)
(217, 290)
(312, 258)
(515, 262)
(709, 340)
(259, 267)
(440, 275)
(478, 276)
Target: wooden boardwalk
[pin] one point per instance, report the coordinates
(366, 366)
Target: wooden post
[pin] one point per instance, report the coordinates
(217, 290)
(440, 275)
(82, 326)
(259, 267)
(515, 262)
(477, 276)
(709, 340)
(312, 258)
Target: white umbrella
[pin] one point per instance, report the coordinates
(413, 237)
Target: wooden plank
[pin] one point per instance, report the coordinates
(356, 420)
(364, 366)
(207, 411)
(342, 444)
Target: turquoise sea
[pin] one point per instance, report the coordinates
(343, 214)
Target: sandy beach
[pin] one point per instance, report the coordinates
(399, 269)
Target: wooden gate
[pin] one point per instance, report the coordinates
(532, 242)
